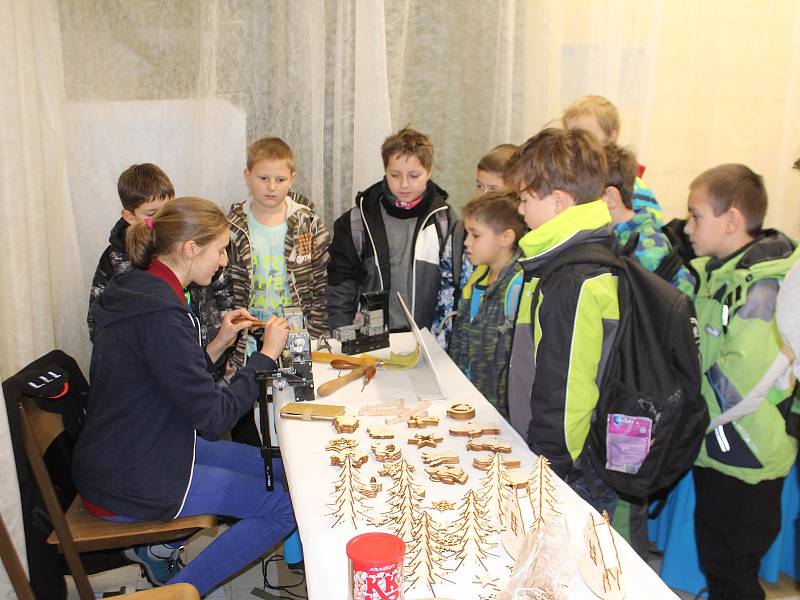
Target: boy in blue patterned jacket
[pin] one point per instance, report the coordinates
(653, 245)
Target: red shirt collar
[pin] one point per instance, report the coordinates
(162, 271)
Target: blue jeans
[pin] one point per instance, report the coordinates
(228, 480)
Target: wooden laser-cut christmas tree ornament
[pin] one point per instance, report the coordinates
(599, 563)
(493, 488)
(472, 531)
(356, 458)
(404, 504)
(426, 555)
(349, 494)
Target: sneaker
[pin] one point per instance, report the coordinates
(298, 568)
(158, 570)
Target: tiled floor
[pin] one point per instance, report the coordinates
(242, 586)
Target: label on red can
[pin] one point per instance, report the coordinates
(376, 567)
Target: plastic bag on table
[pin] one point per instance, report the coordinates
(544, 567)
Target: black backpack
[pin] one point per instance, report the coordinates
(653, 371)
(681, 251)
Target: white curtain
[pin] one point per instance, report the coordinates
(697, 84)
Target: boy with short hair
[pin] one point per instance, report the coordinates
(278, 253)
(653, 245)
(393, 238)
(739, 472)
(482, 330)
(600, 117)
(563, 335)
(489, 178)
(142, 189)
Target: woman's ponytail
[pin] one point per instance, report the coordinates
(177, 222)
(141, 242)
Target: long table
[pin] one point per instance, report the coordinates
(312, 478)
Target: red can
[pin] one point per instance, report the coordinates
(376, 567)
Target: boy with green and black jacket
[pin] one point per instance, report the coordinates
(744, 459)
(484, 323)
(563, 334)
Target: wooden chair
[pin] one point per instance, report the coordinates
(24, 591)
(77, 530)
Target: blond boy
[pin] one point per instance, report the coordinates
(600, 117)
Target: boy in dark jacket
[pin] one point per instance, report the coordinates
(481, 341)
(393, 238)
(143, 189)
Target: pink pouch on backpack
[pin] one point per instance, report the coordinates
(627, 442)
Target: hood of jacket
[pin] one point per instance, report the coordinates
(116, 239)
(770, 255)
(132, 294)
(577, 224)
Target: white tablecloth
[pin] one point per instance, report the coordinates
(311, 480)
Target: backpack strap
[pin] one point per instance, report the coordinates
(443, 227)
(513, 292)
(357, 228)
(595, 253)
(457, 244)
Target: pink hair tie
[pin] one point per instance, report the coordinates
(149, 222)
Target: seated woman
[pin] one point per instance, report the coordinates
(148, 448)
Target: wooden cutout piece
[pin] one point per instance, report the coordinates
(374, 485)
(484, 462)
(421, 440)
(443, 505)
(379, 432)
(392, 469)
(473, 430)
(415, 422)
(345, 424)
(434, 459)
(386, 452)
(358, 458)
(517, 480)
(308, 411)
(388, 407)
(491, 444)
(461, 411)
(341, 444)
(448, 474)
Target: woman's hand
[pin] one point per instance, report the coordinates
(275, 333)
(228, 331)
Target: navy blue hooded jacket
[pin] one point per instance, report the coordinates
(151, 394)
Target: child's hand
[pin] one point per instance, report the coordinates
(275, 333)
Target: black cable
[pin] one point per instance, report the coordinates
(281, 588)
